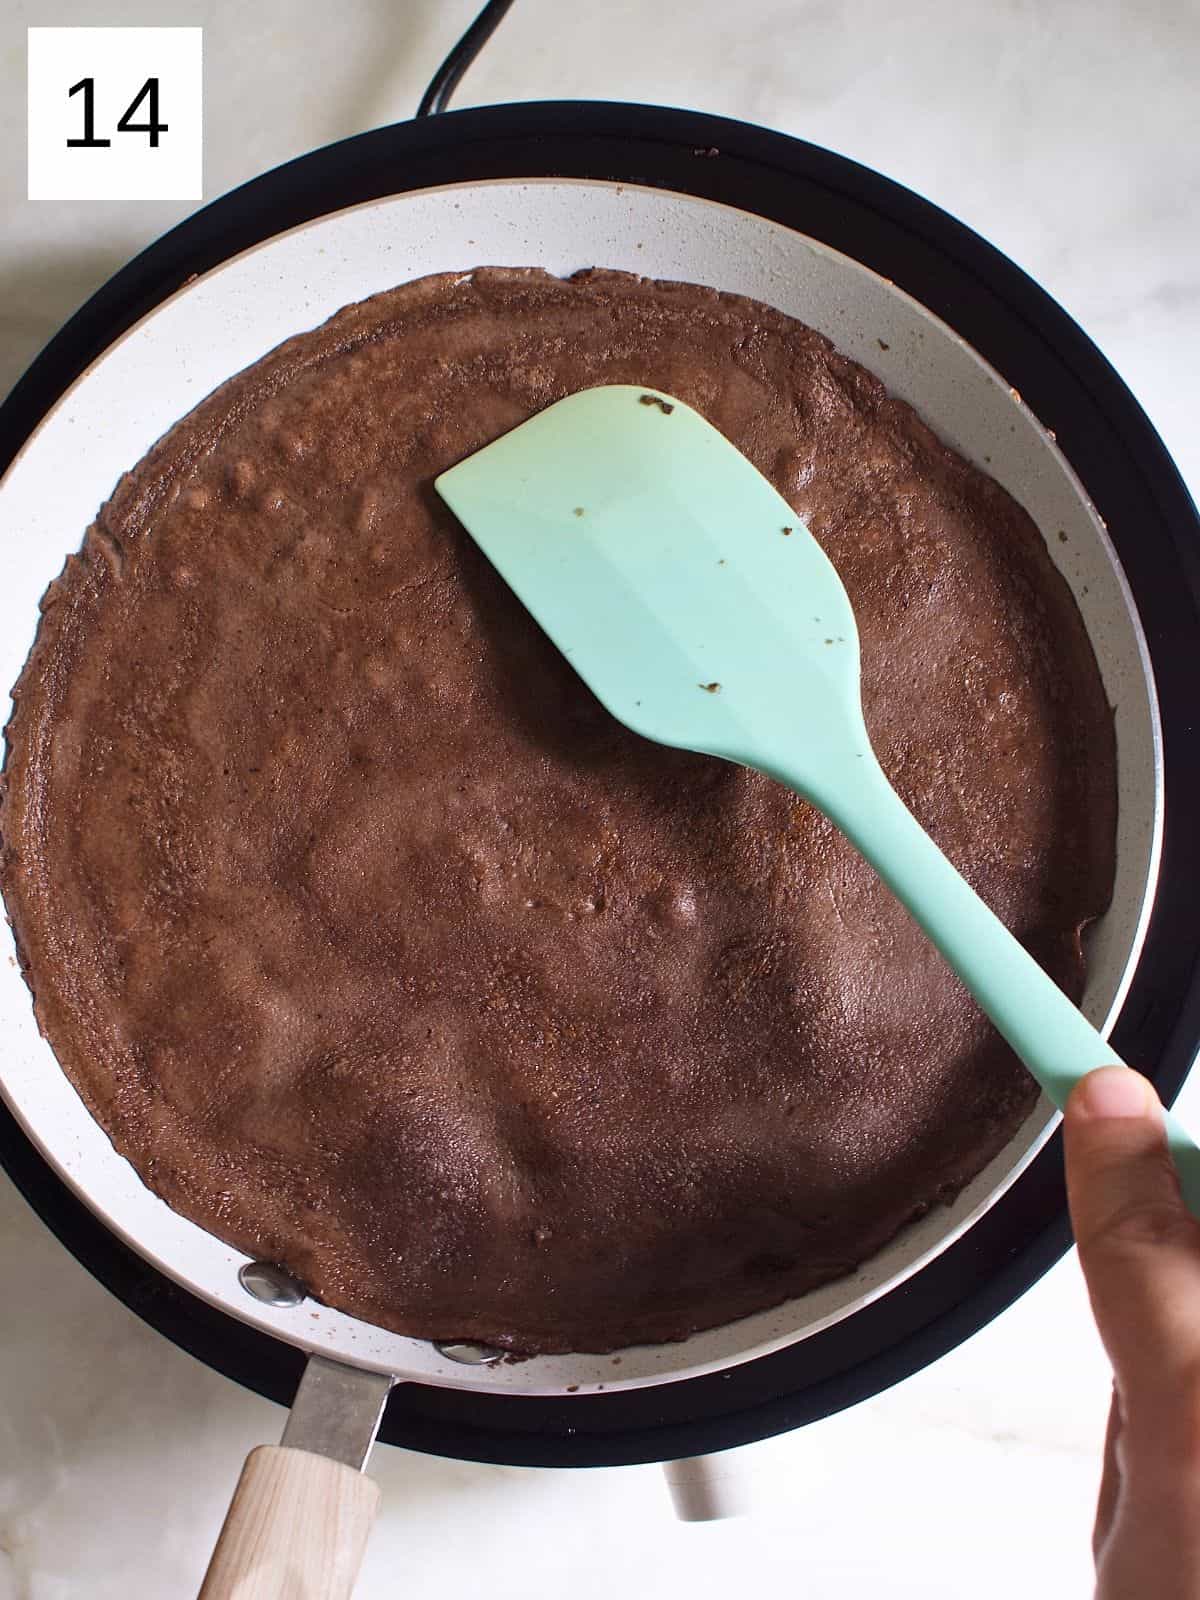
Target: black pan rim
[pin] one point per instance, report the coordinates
(1130, 477)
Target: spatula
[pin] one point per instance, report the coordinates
(702, 613)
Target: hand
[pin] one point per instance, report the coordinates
(1140, 1253)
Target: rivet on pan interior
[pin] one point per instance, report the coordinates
(470, 1355)
(270, 1284)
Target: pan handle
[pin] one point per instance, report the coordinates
(708, 1488)
(297, 1527)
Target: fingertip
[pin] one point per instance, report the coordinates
(1137, 1242)
(1111, 1093)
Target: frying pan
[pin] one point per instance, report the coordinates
(215, 324)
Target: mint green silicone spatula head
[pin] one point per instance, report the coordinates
(702, 613)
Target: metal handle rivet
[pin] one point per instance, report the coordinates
(270, 1284)
(470, 1355)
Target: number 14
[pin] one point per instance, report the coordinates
(148, 92)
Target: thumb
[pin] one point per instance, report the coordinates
(1138, 1245)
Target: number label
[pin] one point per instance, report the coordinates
(115, 114)
(125, 123)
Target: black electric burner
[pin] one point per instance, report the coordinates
(1129, 476)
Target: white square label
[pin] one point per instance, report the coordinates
(115, 114)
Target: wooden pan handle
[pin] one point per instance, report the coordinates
(296, 1529)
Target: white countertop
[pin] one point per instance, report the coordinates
(1065, 134)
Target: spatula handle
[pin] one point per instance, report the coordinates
(1052, 1037)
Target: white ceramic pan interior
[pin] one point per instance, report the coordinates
(228, 318)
